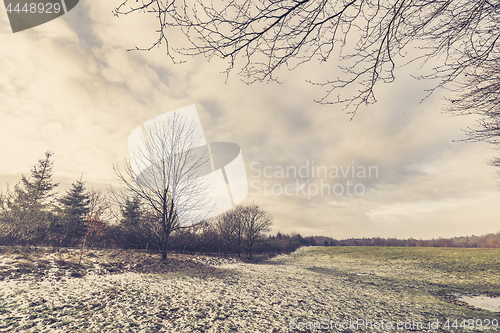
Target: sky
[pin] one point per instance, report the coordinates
(71, 87)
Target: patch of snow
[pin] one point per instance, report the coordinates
(483, 302)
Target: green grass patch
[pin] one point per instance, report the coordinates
(464, 260)
(474, 270)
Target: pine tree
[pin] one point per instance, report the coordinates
(133, 224)
(26, 210)
(74, 210)
(75, 203)
(131, 212)
(38, 187)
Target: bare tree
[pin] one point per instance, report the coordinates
(100, 201)
(168, 161)
(481, 95)
(256, 221)
(200, 237)
(242, 226)
(231, 228)
(372, 37)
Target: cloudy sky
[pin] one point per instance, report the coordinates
(70, 86)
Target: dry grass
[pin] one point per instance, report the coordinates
(45, 263)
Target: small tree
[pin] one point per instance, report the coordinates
(74, 210)
(136, 224)
(100, 201)
(231, 228)
(38, 188)
(26, 211)
(256, 221)
(95, 227)
(131, 212)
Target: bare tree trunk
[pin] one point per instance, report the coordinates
(164, 251)
(81, 250)
(166, 233)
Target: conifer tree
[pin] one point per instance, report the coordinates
(26, 212)
(75, 203)
(38, 188)
(73, 212)
(131, 212)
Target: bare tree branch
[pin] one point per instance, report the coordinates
(259, 37)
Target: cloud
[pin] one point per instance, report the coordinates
(71, 87)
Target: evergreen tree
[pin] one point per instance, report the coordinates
(137, 225)
(26, 212)
(75, 203)
(37, 188)
(73, 212)
(131, 212)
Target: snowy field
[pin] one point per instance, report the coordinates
(304, 291)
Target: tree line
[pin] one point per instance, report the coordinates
(485, 241)
(33, 213)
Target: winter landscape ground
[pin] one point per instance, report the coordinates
(315, 289)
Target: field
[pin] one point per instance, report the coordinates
(315, 289)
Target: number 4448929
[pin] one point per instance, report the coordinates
(485, 324)
(47, 8)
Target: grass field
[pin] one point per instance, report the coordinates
(461, 270)
(127, 291)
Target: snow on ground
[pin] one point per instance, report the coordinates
(230, 296)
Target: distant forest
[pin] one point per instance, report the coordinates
(33, 214)
(489, 240)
